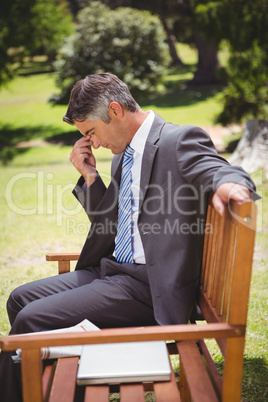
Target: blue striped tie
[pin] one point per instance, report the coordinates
(123, 242)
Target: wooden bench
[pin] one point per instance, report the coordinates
(223, 300)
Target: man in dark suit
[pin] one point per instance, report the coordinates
(145, 272)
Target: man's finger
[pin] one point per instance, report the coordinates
(218, 204)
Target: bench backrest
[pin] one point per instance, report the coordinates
(227, 264)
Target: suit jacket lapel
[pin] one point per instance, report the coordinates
(109, 201)
(149, 154)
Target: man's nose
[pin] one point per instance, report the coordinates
(96, 143)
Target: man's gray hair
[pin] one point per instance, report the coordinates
(90, 98)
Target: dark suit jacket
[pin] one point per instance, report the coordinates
(180, 167)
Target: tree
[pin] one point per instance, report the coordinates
(29, 26)
(163, 8)
(191, 26)
(10, 34)
(208, 62)
(51, 23)
(200, 17)
(171, 41)
(246, 97)
(187, 21)
(126, 42)
(247, 91)
(246, 94)
(251, 151)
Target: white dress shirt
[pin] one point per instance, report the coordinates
(138, 144)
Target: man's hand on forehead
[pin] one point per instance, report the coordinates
(83, 159)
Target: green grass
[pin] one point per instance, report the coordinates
(28, 95)
(193, 106)
(26, 114)
(24, 103)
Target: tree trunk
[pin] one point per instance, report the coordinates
(208, 62)
(171, 41)
(252, 150)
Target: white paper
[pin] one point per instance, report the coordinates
(55, 352)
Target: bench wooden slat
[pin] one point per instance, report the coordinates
(167, 391)
(211, 255)
(228, 272)
(210, 315)
(208, 312)
(211, 366)
(131, 393)
(217, 285)
(218, 292)
(206, 248)
(196, 375)
(47, 380)
(183, 385)
(97, 393)
(64, 381)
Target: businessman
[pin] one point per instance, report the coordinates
(141, 259)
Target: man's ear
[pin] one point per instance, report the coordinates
(115, 110)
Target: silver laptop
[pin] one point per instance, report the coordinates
(124, 362)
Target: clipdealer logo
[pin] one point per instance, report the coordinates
(55, 199)
(174, 227)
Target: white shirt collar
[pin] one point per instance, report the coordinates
(140, 138)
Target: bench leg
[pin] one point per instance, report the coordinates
(31, 370)
(233, 371)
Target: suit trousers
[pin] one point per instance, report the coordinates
(112, 295)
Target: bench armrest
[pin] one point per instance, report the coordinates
(63, 259)
(166, 332)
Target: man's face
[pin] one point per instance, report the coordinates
(108, 136)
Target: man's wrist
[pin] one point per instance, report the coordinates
(90, 178)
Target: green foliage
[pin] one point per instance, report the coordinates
(10, 27)
(52, 23)
(207, 17)
(29, 26)
(125, 42)
(247, 90)
(244, 24)
(25, 115)
(240, 21)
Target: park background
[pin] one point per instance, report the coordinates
(193, 62)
